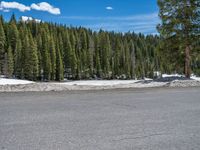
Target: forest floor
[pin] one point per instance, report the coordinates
(12, 85)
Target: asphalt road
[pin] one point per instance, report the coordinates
(142, 119)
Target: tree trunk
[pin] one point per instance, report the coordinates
(187, 62)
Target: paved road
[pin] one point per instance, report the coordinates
(146, 119)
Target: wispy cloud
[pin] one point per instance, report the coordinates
(6, 6)
(144, 23)
(151, 16)
(123, 27)
(109, 8)
(43, 6)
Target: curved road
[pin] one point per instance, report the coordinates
(132, 119)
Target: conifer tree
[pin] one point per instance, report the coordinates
(84, 52)
(10, 63)
(18, 59)
(127, 60)
(34, 59)
(117, 57)
(59, 65)
(40, 59)
(2, 45)
(90, 56)
(133, 59)
(53, 58)
(180, 28)
(67, 55)
(30, 57)
(13, 19)
(73, 56)
(98, 70)
(46, 59)
(105, 50)
(13, 35)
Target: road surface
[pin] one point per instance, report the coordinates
(140, 119)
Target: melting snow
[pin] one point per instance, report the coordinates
(4, 81)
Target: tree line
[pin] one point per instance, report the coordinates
(47, 51)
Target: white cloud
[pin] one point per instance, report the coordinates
(44, 6)
(109, 8)
(6, 6)
(4, 10)
(26, 18)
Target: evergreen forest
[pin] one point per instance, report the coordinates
(42, 51)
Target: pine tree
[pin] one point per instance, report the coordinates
(13, 19)
(73, 56)
(2, 45)
(13, 35)
(180, 27)
(53, 58)
(40, 60)
(68, 56)
(18, 60)
(117, 51)
(133, 59)
(84, 52)
(10, 63)
(127, 60)
(34, 59)
(90, 56)
(31, 58)
(59, 65)
(98, 70)
(46, 59)
(105, 50)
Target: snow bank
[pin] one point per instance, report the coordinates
(4, 81)
(172, 75)
(100, 82)
(195, 78)
(176, 76)
(13, 85)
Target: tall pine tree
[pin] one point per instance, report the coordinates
(180, 27)
(2, 45)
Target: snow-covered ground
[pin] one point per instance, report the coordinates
(175, 80)
(100, 82)
(5, 81)
(195, 78)
(172, 75)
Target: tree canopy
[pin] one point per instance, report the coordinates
(180, 30)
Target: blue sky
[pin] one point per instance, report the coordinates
(111, 15)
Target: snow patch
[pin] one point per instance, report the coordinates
(172, 75)
(194, 77)
(4, 81)
(100, 82)
(27, 19)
